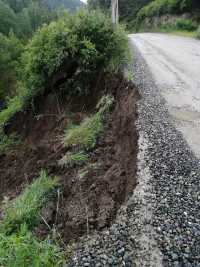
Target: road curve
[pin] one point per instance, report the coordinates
(175, 64)
(167, 74)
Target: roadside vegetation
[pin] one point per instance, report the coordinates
(161, 7)
(152, 13)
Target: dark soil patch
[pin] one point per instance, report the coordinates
(89, 195)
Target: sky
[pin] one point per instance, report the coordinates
(85, 1)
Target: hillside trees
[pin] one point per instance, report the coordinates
(10, 51)
(127, 8)
(161, 7)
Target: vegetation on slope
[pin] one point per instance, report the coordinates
(18, 246)
(128, 9)
(160, 7)
(72, 51)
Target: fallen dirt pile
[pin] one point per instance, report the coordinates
(90, 195)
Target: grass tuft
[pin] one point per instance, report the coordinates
(22, 249)
(26, 208)
(7, 142)
(73, 159)
(85, 135)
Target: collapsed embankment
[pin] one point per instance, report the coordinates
(89, 195)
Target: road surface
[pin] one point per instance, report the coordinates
(175, 64)
(167, 74)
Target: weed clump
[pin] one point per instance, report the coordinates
(25, 209)
(84, 136)
(73, 159)
(23, 249)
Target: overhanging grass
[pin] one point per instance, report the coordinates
(15, 105)
(26, 208)
(85, 135)
(72, 159)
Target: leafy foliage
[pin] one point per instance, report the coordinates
(23, 17)
(127, 8)
(22, 249)
(160, 7)
(185, 24)
(10, 51)
(80, 45)
(7, 18)
(25, 209)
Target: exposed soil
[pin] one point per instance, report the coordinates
(89, 196)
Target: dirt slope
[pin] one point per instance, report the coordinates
(89, 196)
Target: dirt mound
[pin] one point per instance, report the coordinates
(89, 196)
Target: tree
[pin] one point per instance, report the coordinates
(10, 51)
(7, 18)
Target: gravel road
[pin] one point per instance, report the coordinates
(175, 64)
(167, 72)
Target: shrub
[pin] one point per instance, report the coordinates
(74, 47)
(26, 208)
(10, 51)
(186, 24)
(22, 249)
(73, 159)
(160, 7)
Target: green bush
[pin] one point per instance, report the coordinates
(160, 7)
(185, 24)
(22, 249)
(10, 51)
(26, 208)
(74, 47)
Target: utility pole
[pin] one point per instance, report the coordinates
(115, 11)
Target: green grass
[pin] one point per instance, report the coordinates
(18, 245)
(26, 207)
(7, 142)
(190, 34)
(172, 31)
(73, 159)
(23, 249)
(15, 105)
(85, 135)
